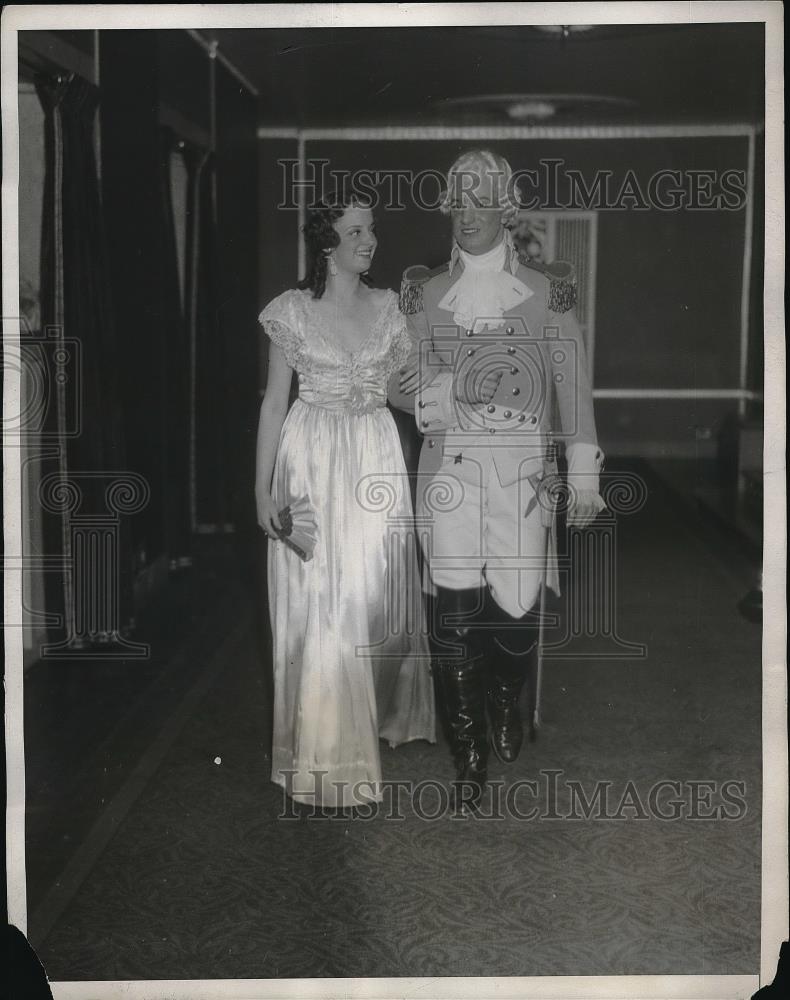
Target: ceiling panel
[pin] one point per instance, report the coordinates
(668, 73)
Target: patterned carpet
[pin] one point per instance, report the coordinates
(201, 879)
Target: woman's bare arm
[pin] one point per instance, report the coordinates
(404, 383)
(270, 421)
(399, 399)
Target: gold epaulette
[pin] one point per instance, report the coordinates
(562, 282)
(414, 278)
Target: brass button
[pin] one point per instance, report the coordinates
(492, 409)
(510, 331)
(516, 391)
(469, 333)
(514, 370)
(521, 418)
(508, 414)
(470, 352)
(431, 443)
(425, 423)
(492, 430)
(421, 405)
(511, 350)
(533, 420)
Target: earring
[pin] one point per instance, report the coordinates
(330, 262)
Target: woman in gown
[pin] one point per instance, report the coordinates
(350, 650)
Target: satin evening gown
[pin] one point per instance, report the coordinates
(350, 650)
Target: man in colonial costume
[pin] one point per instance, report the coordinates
(500, 353)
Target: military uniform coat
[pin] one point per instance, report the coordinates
(481, 464)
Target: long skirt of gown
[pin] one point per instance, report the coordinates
(351, 657)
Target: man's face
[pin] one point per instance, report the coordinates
(476, 217)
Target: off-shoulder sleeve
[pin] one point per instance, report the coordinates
(281, 322)
(401, 345)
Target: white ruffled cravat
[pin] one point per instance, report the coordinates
(485, 290)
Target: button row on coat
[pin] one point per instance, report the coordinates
(509, 413)
(509, 330)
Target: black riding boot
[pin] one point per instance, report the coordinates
(463, 684)
(514, 658)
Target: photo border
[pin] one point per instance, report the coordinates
(774, 872)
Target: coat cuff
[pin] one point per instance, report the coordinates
(435, 406)
(585, 462)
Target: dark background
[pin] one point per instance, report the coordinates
(668, 294)
(673, 73)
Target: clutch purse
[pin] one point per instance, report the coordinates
(299, 528)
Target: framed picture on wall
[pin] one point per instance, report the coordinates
(546, 237)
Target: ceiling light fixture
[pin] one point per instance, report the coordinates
(534, 107)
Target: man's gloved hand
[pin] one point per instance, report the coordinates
(584, 507)
(477, 386)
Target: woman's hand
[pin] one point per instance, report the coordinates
(474, 388)
(268, 518)
(412, 380)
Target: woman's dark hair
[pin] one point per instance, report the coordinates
(320, 236)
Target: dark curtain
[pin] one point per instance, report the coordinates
(208, 445)
(131, 182)
(176, 413)
(77, 314)
(238, 182)
(237, 232)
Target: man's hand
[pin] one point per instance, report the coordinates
(478, 388)
(584, 508)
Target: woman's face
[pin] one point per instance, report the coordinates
(357, 232)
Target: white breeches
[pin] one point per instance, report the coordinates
(477, 535)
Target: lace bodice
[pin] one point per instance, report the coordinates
(330, 375)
